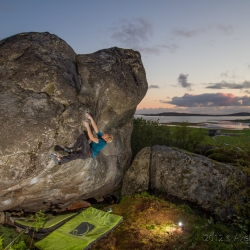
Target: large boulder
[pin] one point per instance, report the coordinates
(176, 172)
(45, 89)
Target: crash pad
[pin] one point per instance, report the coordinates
(81, 231)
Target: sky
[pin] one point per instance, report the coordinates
(196, 53)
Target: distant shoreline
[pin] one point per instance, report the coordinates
(239, 120)
(190, 114)
(196, 120)
(199, 124)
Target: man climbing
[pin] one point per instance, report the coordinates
(86, 150)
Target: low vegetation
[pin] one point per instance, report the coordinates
(233, 146)
(152, 222)
(238, 139)
(149, 133)
(11, 240)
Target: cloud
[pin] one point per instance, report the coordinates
(172, 47)
(209, 100)
(228, 74)
(131, 33)
(147, 50)
(224, 74)
(188, 33)
(227, 85)
(247, 91)
(182, 80)
(137, 34)
(153, 87)
(226, 29)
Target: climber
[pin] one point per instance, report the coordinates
(86, 150)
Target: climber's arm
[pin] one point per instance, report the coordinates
(90, 134)
(92, 122)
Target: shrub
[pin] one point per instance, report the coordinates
(220, 157)
(7, 237)
(149, 133)
(211, 151)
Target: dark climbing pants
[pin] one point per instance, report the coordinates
(83, 153)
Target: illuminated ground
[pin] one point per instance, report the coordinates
(152, 223)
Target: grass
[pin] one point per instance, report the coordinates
(150, 222)
(207, 139)
(242, 140)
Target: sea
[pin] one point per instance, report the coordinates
(209, 122)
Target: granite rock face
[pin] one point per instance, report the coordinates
(176, 172)
(45, 89)
(136, 178)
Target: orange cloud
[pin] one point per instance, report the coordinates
(152, 104)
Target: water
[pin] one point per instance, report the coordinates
(210, 122)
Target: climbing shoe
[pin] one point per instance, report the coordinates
(53, 157)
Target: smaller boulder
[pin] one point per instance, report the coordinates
(182, 174)
(136, 178)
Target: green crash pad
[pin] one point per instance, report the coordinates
(81, 231)
(50, 224)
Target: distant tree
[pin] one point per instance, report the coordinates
(149, 133)
(186, 138)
